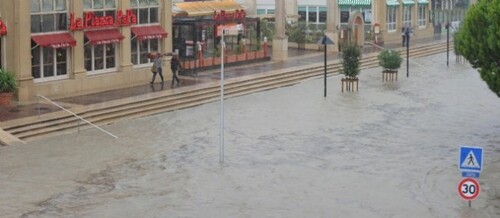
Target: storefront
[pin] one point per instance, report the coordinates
(197, 30)
(381, 19)
(67, 48)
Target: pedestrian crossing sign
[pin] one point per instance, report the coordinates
(471, 159)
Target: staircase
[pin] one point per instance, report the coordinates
(100, 114)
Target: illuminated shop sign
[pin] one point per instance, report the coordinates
(3, 28)
(91, 21)
(226, 15)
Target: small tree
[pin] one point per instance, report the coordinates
(478, 41)
(8, 82)
(390, 60)
(267, 29)
(350, 58)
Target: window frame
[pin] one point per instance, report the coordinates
(105, 10)
(407, 21)
(54, 13)
(422, 16)
(149, 7)
(137, 54)
(93, 70)
(41, 64)
(136, 8)
(391, 17)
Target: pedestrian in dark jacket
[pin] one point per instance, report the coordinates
(403, 35)
(174, 66)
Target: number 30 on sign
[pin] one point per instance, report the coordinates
(468, 189)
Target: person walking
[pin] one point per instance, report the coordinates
(174, 66)
(403, 36)
(158, 66)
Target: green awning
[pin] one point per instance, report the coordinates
(355, 2)
(408, 2)
(392, 3)
(422, 2)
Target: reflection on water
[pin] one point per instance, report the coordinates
(389, 150)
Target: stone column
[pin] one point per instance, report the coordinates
(166, 23)
(19, 38)
(280, 40)
(332, 22)
(251, 7)
(78, 70)
(125, 57)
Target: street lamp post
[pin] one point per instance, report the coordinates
(325, 40)
(448, 44)
(221, 151)
(407, 39)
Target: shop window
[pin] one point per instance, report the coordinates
(344, 16)
(367, 15)
(312, 14)
(421, 15)
(407, 16)
(270, 11)
(146, 10)
(140, 49)
(302, 13)
(48, 63)
(322, 14)
(49, 15)
(99, 58)
(261, 11)
(91, 5)
(391, 19)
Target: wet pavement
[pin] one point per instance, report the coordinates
(389, 150)
(296, 58)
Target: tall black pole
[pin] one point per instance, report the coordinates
(407, 36)
(448, 44)
(324, 42)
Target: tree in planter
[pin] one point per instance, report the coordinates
(8, 86)
(391, 61)
(267, 29)
(350, 59)
(298, 34)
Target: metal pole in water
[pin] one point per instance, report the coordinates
(448, 45)
(407, 36)
(221, 152)
(324, 39)
(38, 106)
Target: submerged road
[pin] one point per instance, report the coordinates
(389, 150)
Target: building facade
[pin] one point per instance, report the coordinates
(382, 19)
(60, 48)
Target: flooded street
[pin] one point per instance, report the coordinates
(389, 150)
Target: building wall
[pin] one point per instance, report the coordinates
(379, 10)
(18, 54)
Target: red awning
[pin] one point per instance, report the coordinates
(101, 37)
(149, 32)
(60, 40)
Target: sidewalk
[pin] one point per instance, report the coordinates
(296, 58)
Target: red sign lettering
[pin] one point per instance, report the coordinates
(90, 20)
(223, 15)
(3, 28)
